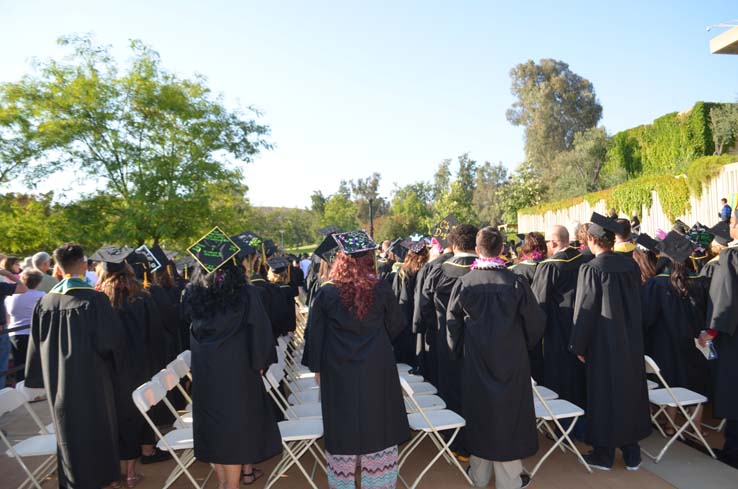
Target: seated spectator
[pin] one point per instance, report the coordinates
(42, 262)
(20, 309)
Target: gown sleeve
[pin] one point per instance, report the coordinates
(316, 326)
(723, 290)
(534, 320)
(394, 319)
(651, 305)
(261, 340)
(418, 326)
(586, 310)
(110, 336)
(425, 310)
(34, 373)
(455, 322)
(542, 281)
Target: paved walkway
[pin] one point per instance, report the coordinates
(682, 468)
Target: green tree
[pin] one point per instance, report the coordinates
(410, 212)
(161, 145)
(580, 170)
(459, 199)
(525, 188)
(553, 105)
(364, 190)
(317, 202)
(442, 179)
(340, 211)
(488, 193)
(724, 126)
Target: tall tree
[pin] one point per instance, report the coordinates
(442, 179)
(724, 125)
(410, 212)
(524, 189)
(365, 190)
(161, 145)
(488, 193)
(317, 202)
(553, 105)
(341, 212)
(580, 170)
(459, 199)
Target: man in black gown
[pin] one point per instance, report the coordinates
(76, 348)
(608, 337)
(493, 320)
(722, 320)
(555, 286)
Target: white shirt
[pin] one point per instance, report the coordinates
(91, 278)
(20, 309)
(305, 266)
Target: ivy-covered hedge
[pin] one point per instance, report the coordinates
(673, 191)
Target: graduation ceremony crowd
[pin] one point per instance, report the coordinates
(478, 316)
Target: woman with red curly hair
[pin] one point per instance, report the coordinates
(353, 319)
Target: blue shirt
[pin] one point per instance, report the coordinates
(725, 212)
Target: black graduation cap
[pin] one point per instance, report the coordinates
(332, 229)
(269, 247)
(354, 242)
(161, 255)
(700, 236)
(444, 228)
(601, 225)
(676, 247)
(721, 233)
(647, 242)
(113, 258)
(278, 263)
(248, 243)
(414, 246)
(399, 251)
(213, 250)
(680, 227)
(152, 261)
(327, 249)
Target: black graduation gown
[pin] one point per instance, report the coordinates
(527, 269)
(76, 348)
(234, 421)
(555, 286)
(289, 294)
(384, 269)
(424, 316)
(274, 304)
(670, 324)
(608, 332)
(170, 319)
(145, 355)
(493, 320)
(708, 270)
(404, 345)
(363, 407)
(723, 317)
(441, 282)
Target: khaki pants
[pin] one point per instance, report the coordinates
(507, 474)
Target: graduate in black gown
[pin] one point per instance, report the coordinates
(608, 337)
(623, 243)
(555, 286)
(646, 256)
(76, 349)
(439, 284)
(352, 321)
(234, 425)
(532, 253)
(424, 317)
(278, 275)
(404, 288)
(674, 309)
(722, 329)
(145, 353)
(721, 239)
(493, 320)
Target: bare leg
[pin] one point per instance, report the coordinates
(232, 476)
(147, 450)
(220, 475)
(131, 468)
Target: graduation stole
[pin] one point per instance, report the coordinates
(70, 283)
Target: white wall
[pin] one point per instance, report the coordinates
(703, 209)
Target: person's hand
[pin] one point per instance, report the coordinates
(317, 378)
(704, 338)
(581, 358)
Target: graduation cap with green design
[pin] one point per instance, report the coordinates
(443, 229)
(248, 243)
(700, 236)
(354, 242)
(214, 250)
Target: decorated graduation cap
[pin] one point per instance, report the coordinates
(648, 243)
(161, 255)
(248, 243)
(113, 258)
(601, 225)
(444, 228)
(416, 246)
(676, 247)
(721, 233)
(327, 249)
(398, 250)
(354, 242)
(680, 227)
(700, 236)
(153, 262)
(278, 264)
(214, 250)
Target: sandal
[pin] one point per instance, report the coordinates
(254, 476)
(131, 482)
(115, 485)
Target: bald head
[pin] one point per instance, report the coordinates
(557, 239)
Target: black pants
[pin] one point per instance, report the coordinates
(606, 456)
(730, 449)
(19, 346)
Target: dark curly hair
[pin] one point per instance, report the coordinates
(355, 278)
(533, 242)
(464, 237)
(209, 293)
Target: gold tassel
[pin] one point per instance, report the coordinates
(263, 254)
(289, 273)
(146, 283)
(169, 270)
(185, 273)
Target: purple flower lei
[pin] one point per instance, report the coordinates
(492, 263)
(534, 255)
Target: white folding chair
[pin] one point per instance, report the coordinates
(550, 411)
(544, 392)
(309, 410)
(404, 367)
(149, 395)
(429, 425)
(33, 394)
(186, 357)
(170, 380)
(427, 402)
(717, 428)
(179, 367)
(43, 445)
(298, 438)
(676, 397)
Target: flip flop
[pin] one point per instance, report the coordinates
(254, 476)
(131, 482)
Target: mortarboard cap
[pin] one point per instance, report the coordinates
(416, 246)
(680, 227)
(148, 257)
(601, 224)
(700, 236)
(213, 250)
(647, 242)
(248, 243)
(676, 247)
(113, 258)
(160, 254)
(354, 242)
(269, 247)
(721, 233)
(327, 249)
(278, 264)
(332, 229)
(399, 251)
(444, 228)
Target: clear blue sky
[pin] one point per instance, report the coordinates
(353, 87)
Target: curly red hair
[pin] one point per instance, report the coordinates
(355, 278)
